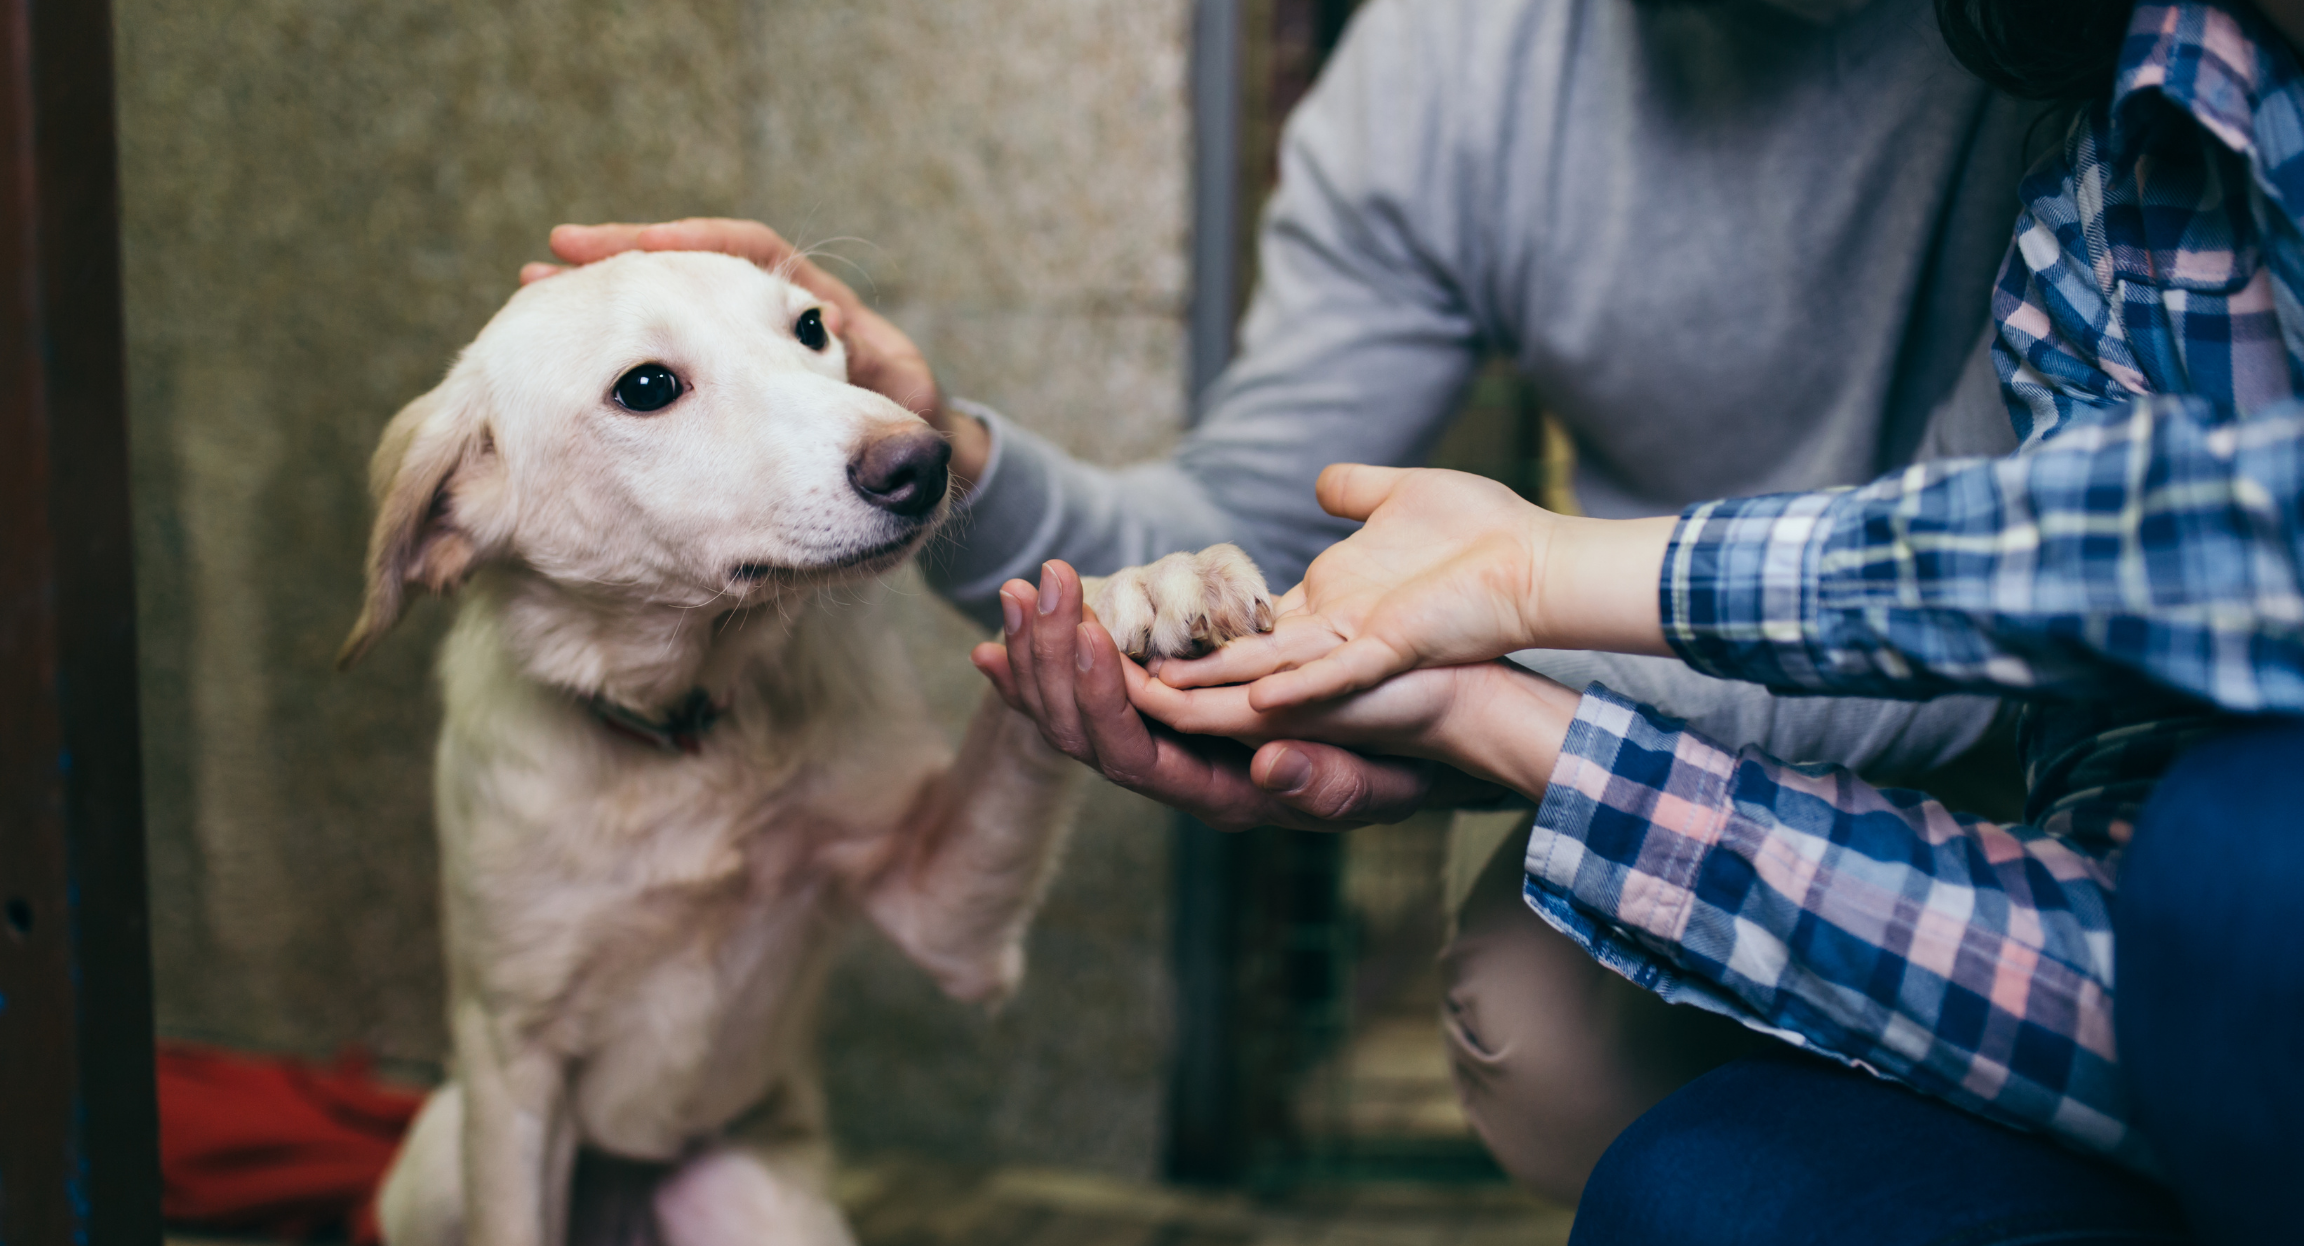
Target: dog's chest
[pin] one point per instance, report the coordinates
(661, 921)
(697, 1005)
(665, 922)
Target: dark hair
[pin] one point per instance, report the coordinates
(2063, 50)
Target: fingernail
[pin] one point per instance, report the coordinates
(1047, 587)
(1289, 772)
(1011, 614)
(1082, 654)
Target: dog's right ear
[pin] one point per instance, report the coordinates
(438, 457)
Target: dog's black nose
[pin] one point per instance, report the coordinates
(902, 473)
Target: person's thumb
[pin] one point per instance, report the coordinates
(1338, 785)
(1355, 490)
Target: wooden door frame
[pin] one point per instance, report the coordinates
(78, 1120)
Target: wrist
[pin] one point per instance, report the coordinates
(1508, 728)
(1597, 586)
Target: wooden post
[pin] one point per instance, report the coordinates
(78, 1129)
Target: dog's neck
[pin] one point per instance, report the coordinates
(643, 657)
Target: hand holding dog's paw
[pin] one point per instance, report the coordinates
(1184, 605)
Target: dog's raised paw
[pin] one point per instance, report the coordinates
(1184, 605)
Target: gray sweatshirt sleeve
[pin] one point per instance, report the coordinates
(1894, 740)
(1356, 348)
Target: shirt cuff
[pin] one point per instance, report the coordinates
(1633, 806)
(1739, 593)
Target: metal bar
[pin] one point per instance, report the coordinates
(1204, 1119)
(1216, 121)
(1202, 1125)
(78, 1151)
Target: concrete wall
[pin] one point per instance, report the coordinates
(324, 198)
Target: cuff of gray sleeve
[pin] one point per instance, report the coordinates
(992, 533)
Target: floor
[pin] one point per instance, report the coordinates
(1384, 1094)
(920, 1204)
(925, 1203)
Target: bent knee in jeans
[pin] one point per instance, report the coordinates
(1553, 1054)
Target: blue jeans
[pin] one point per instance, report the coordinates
(1788, 1150)
(2208, 932)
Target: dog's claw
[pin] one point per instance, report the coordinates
(1185, 605)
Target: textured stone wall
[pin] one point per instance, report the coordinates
(325, 198)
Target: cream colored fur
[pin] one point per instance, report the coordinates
(636, 938)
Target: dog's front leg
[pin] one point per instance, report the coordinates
(519, 1142)
(958, 896)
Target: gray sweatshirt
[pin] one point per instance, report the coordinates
(1738, 248)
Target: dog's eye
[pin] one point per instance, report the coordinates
(649, 387)
(810, 329)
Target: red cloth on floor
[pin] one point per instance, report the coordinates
(275, 1145)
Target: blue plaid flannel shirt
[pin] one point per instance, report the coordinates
(2135, 566)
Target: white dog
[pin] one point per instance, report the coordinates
(676, 758)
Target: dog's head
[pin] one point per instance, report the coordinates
(675, 428)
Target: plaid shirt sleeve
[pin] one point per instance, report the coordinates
(1969, 960)
(2138, 537)
(2154, 540)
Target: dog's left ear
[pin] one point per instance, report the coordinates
(434, 471)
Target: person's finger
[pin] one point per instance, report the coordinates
(755, 242)
(1358, 664)
(1018, 611)
(530, 274)
(1208, 778)
(589, 244)
(1124, 747)
(1199, 711)
(748, 239)
(1334, 784)
(1204, 776)
(992, 659)
(1355, 490)
(1252, 657)
(1054, 652)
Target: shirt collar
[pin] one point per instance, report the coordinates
(2230, 71)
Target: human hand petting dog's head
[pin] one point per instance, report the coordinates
(881, 357)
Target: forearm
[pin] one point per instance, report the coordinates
(1597, 587)
(1505, 727)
